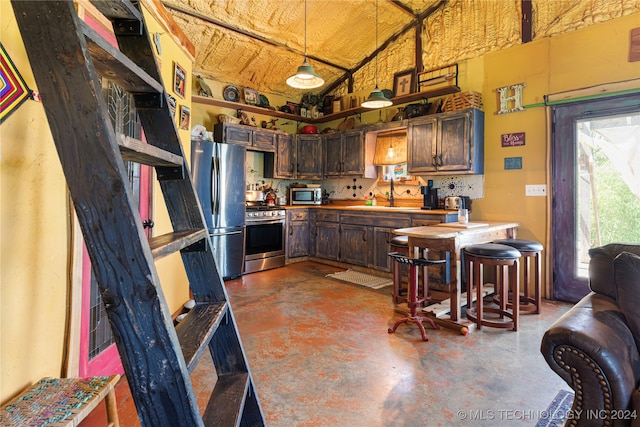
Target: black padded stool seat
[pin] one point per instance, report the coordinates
(492, 250)
(500, 256)
(530, 249)
(413, 299)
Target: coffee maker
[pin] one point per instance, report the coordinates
(430, 196)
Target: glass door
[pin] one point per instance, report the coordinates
(596, 185)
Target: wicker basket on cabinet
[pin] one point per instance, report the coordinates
(462, 100)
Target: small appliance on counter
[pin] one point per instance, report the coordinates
(430, 196)
(305, 196)
(454, 203)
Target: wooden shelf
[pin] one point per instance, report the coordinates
(204, 100)
(398, 100)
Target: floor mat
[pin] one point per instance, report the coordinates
(556, 413)
(363, 279)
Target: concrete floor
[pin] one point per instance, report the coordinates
(320, 355)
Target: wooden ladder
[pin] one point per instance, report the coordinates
(67, 56)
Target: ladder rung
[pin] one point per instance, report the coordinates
(137, 151)
(117, 67)
(197, 328)
(170, 243)
(121, 9)
(227, 400)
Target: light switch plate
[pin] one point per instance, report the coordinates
(535, 190)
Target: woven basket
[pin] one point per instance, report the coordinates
(462, 100)
(225, 118)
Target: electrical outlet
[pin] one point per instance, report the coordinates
(535, 190)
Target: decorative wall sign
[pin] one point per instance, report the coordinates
(512, 139)
(172, 106)
(510, 95)
(250, 96)
(13, 89)
(179, 80)
(404, 82)
(512, 163)
(185, 117)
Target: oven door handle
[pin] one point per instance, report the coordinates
(274, 221)
(226, 233)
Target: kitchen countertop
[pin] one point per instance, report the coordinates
(387, 209)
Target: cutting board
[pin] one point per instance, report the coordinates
(458, 225)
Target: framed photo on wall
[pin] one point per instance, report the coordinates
(179, 80)
(185, 117)
(404, 82)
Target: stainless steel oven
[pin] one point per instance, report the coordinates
(264, 238)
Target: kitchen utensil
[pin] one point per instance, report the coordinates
(309, 129)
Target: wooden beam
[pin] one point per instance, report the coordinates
(265, 40)
(527, 21)
(410, 26)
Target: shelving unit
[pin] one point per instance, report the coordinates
(399, 100)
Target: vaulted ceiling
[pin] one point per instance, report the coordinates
(259, 43)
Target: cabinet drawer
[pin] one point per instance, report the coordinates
(327, 216)
(299, 215)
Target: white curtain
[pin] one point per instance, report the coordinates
(622, 146)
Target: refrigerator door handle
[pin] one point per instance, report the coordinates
(215, 188)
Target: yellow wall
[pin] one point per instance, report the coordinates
(34, 215)
(34, 226)
(170, 269)
(583, 58)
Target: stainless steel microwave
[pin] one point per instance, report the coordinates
(305, 196)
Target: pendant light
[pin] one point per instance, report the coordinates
(305, 77)
(376, 98)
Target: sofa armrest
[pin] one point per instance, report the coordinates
(593, 350)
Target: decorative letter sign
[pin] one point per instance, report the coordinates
(512, 139)
(505, 98)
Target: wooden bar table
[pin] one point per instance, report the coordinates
(453, 237)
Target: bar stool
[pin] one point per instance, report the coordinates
(400, 245)
(413, 300)
(529, 249)
(500, 256)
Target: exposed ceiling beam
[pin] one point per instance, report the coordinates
(265, 40)
(527, 21)
(414, 24)
(403, 7)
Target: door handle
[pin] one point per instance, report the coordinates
(148, 223)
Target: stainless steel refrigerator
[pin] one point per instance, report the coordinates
(218, 172)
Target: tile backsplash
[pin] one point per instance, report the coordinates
(358, 188)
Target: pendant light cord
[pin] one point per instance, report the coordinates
(305, 30)
(376, 44)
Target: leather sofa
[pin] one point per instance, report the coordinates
(595, 345)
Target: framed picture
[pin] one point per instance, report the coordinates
(185, 117)
(404, 82)
(250, 96)
(172, 106)
(179, 80)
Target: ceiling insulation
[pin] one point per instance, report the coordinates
(259, 43)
